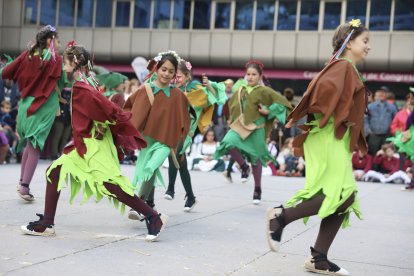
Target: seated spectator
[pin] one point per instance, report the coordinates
(389, 167)
(203, 160)
(8, 124)
(9, 91)
(361, 164)
(271, 168)
(4, 146)
(290, 165)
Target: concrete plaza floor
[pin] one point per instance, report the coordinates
(224, 235)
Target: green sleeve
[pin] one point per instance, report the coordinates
(277, 111)
(63, 80)
(220, 98)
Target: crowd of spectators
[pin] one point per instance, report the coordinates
(383, 119)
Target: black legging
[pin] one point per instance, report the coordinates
(184, 173)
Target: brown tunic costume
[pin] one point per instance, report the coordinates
(340, 95)
(167, 120)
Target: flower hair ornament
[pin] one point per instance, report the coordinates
(253, 61)
(188, 65)
(158, 58)
(50, 28)
(354, 23)
(71, 44)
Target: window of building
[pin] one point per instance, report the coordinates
(48, 12)
(85, 13)
(103, 7)
(356, 9)
(265, 15)
(223, 13)
(162, 10)
(379, 19)
(202, 14)
(30, 12)
(66, 13)
(142, 14)
(182, 12)
(286, 19)
(404, 15)
(123, 10)
(244, 15)
(309, 15)
(332, 16)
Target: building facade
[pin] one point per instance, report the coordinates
(285, 34)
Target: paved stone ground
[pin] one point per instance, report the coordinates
(224, 235)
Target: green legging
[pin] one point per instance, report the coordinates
(184, 173)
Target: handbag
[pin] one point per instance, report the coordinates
(239, 126)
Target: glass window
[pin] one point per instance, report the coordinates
(379, 18)
(332, 16)
(142, 14)
(85, 13)
(286, 19)
(103, 7)
(66, 12)
(48, 12)
(162, 9)
(244, 15)
(404, 15)
(202, 13)
(309, 15)
(123, 10)
(30, 12)
(265, 15)
(356, 9)
(222, 19)
(182, 12)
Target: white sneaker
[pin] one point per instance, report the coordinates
(190, 204)
(134, 215)
(169, 195)
(153, 234)
(50, 231)
(256, 201)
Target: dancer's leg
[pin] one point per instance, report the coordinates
(30, 165)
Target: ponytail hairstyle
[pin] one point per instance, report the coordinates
(47, 32)
(80, 56)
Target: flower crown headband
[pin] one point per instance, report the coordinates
(354, 24)
(169, 52)
(158, 59)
